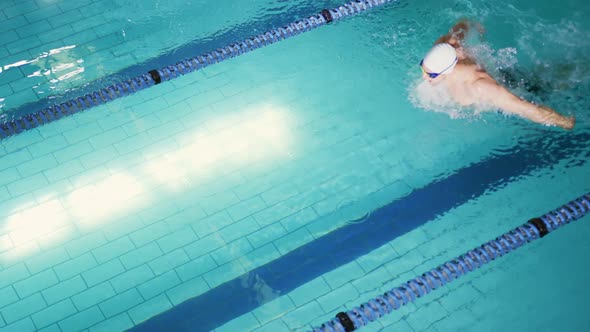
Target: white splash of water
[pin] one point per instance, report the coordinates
(435, 98)
(560, 55)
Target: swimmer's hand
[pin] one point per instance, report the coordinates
(570, 123)
(459, 31)
(565, 122)
(468, 24)
(479, 29)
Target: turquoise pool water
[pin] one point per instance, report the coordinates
(114, 216)
(49, 49)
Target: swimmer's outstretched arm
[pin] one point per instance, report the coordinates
(492, 93)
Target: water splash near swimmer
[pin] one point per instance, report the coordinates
(493, 60)
(435, 98)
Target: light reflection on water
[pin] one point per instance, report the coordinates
(128, 35)
(52, 71)
(262, 133)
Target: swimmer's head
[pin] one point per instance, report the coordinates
(440, 60)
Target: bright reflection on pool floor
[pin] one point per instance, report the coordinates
(259, 133)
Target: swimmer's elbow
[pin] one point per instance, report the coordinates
(539, 114)
(503, 99)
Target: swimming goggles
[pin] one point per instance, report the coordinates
(435, 75)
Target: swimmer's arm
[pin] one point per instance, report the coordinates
(458, 32)
(492, 93)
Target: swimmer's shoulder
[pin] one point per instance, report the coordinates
(471, 68)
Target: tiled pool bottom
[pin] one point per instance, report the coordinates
(502, 295)
(129, 270)
(48, 48)
(117, 214)
(74, 256)
(459, 307)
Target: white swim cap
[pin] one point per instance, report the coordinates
(442, 58)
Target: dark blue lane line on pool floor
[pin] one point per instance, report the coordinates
(239, 296)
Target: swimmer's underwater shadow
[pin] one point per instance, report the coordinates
(516, 78)
(542, 82)
(233, 298)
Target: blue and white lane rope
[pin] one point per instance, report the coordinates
(153, 77)
(420, 286)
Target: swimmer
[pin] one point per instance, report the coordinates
(468, 83)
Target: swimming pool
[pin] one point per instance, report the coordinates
(247, 188)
